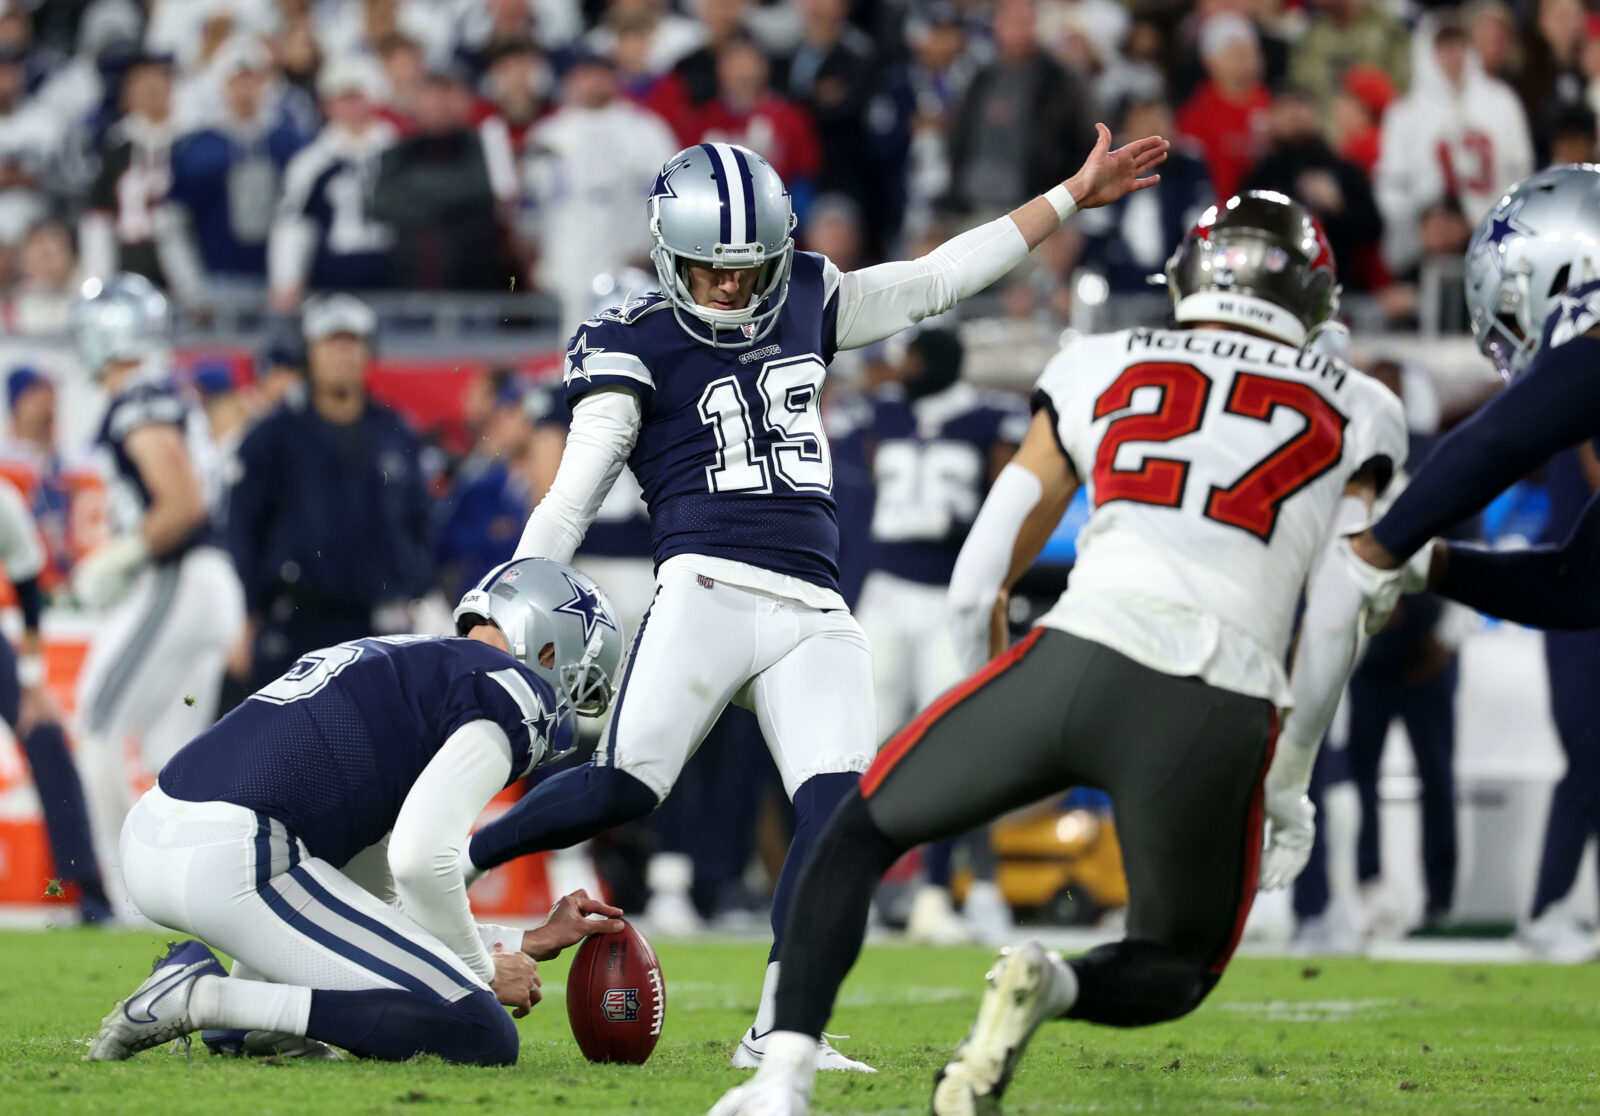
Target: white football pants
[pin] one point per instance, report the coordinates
(913, 655)
(155, 672)
(805, 673)
(237, 880)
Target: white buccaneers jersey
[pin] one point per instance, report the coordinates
(1214, 461)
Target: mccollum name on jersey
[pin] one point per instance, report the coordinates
(1228, 345)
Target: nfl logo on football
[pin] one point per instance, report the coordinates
(620, 1005)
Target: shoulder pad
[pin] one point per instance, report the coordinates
(630, 311)
(1576, 312)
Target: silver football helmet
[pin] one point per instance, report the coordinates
(123, 318)
(1540, 239)
(538, 603)
(723, 205)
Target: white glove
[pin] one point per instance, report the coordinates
(1291, 824)
(1380, 589)
(102, 577)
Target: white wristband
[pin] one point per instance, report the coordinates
(1060, 197)
(30, 671)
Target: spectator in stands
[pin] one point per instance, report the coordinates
(213, 226)
(1342, 33)
(940, 69)
(833, 229)
(1459, 133)
(1552, 66)
(680, 95)
(117, 232)
(1227, 113)
(666, 36)
(31, 135)
(324, 235)
(298, 56)
(404, 70)
(592, 163)
(1573, 136)
(833, 75)
(48, 280)
(329, 520)
(480, 519)
(482, 27)
(1129, 241)
(1492, 27)
(746, 111)
(517, 89)
(438, 190)
(1357, 110)
(1023, 123)
(1302, 165)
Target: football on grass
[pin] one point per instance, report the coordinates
(615, 998)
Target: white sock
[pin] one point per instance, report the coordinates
(767, 1012)
(1063, 987)
(231, 1004)
(793, 1055)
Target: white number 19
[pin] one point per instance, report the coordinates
(791, 392)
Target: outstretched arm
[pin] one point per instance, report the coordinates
(877, 302)
(605, 425)
(1023, 507)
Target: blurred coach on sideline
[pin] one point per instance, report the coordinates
(329, 518)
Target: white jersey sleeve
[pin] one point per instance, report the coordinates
(1214, 461)
(605, 425)
(21, 548)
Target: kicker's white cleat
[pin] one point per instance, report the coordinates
(158, 1010)
(751, 1053)
(767, 1094)
(1014, 1004)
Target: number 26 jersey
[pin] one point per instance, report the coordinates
(1214, 461)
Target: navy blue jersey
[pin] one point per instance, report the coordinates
(731, 453)
(228, 181)
(930, 459)
(156, 402)
(332, 748)
(621, 527)
(331, 187)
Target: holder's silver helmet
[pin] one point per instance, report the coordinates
(1540, 239)
(123, 318)
(723, 205)
(1260, 261)
(538, 603)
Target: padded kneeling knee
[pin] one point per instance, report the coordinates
(1134, 984)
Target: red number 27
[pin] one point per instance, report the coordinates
(1251, 503)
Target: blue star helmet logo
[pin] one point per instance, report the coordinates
(1503, 225)
(579, 353)
(663, 187)
(586, 606)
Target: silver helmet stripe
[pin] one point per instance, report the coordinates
(736, 200)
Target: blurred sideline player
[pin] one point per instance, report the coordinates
(1218, 456)
(155, 668)
(30, 712)
(315, 834)
(935, 444)
(1533, 297)
(711, 391)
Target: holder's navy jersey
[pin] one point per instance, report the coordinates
(148, 402)
(930, 460)
(731, 453)
(332, 748)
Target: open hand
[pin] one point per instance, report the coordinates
(1107, 175)
(516, 981)
(569, 923)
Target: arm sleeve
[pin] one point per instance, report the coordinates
(605, 425)
(433, 827)
(1543, 586)
(1549, 407)
(877, 302)
(180, 259)
(985, 558)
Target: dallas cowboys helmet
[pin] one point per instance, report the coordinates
(723, 205)
(1540, 239)
(1259, 261)
(122, 319)
(538, 603)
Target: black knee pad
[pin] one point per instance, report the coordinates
(1134, 984)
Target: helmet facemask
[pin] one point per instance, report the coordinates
(725, 329)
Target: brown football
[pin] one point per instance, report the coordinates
(616, 1000)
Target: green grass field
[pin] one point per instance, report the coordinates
(1277, 1035)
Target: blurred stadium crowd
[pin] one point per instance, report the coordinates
(265, 153)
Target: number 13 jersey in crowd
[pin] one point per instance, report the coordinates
(1214, 461)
